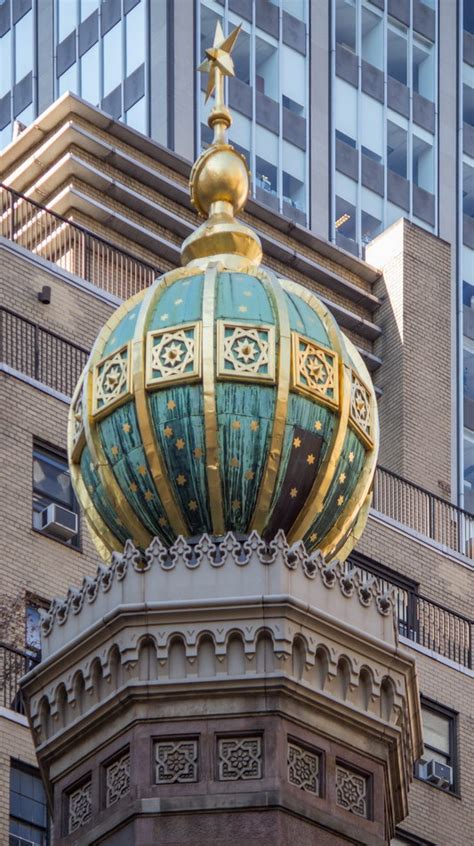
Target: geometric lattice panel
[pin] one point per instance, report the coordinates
(245, 351)
(79, 807)
(173, 355)
(117, 779)
(303, 768)
(239, 758)
(112, 378)
(314, 370)
(352, 791)
(176, 761)
(360, 415)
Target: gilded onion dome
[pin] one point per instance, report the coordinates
(223, 398)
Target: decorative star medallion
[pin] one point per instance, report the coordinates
(218, 58)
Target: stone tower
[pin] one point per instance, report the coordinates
(225, 678)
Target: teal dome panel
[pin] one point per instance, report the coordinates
(100, 496)
(180, 303)
(243, 298)
(305, 320)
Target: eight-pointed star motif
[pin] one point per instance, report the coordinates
(219, 58)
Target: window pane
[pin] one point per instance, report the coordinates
(423, 69)
(397, 55)
(67, 17)
(136, 116)
(135, 38)
(5, 136)
(346, 23)
(51, 478)
(87, 7)
(33, 619)
(436, 730)
(372, 38)
(90, 75)
(423, 164)
(266, 68)
(68, 81)
(397, 149)
(5, 63)
(112, 60)
(24, 46)
(294, 80)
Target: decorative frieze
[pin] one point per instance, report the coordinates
(239, 758)
(352, 791)
(117, 779)
(303, 768)
(176, 761)
(79, 806)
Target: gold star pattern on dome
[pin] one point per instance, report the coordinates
(180, 443)
(142, 470)
(162, 522)
(243, 309)
(174, 355)
(234, 462)
(181, 479)
(235, 424)
(133, 487)
(294, 492)
(126, 428)
(310, 458)
(342, 478)
(192, 505)
(197, 452)
(351, 457)
(168, 432)
(296, 443)
(178, 301)
(235, 504)
(340, 500)
(245, 352)
(114, 450)
(218, 62)
(111, 381)
(171, 405)
(247, 293)
(254, 425)
(313, 537)
(318, 425)
(148, 496)
(249, 475)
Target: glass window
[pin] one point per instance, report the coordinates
(5, 135)
(293, 84)
(6, 63)
(346, 23)
(439, 732)
(24, 46)
(28, 807)
(135, 38)
(297, 8)
(372, 215)
(241, 57)
(266, 68)
(294, 176)
(68, 80)
(397, 53)
(32, 633)
(468, 104)
(423, 164)
(136, 116)
(112, 58)
(26, 116)
(67, 17)
(397, 148)
(468, 192)
(87, 7)
(371, 127)
(423, 68)
(372, 38)
(90, 75)
(51, 483)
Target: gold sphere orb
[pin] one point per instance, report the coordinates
(219, 175)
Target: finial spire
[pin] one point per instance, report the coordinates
(219, 180)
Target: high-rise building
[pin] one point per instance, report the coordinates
(352, 114)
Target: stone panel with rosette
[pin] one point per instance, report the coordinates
(176, 761)
(239, 758)
(303, 768)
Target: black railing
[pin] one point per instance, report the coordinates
(424, 512)
(71, 246)
(39, 353)
(14, 663)
(426, 622)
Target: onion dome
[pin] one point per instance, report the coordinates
(223, 398)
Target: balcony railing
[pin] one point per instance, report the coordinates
(39, 353)
(427, 623)
(14, 663)
(71, 246)
(424, 512)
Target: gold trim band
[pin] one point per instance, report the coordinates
(209, 393)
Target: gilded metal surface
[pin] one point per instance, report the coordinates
(123, 509)
(173, 355)
(314, 370)
(145, 425)
(315, 500)
(245, 351)
(272, 464)
(112, 382)
(104, 540)
(362, 411)
(210, 411)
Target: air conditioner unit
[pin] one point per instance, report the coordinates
(437, 773)
(59, 521)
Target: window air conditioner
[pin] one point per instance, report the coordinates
(59, 521)
(437, 773)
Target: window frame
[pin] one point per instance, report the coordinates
(452, 717)
(16, 763)
(58, 455)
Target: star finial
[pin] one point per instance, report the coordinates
(219, 62)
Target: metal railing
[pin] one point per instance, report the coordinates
(424, 512)
(14, 664)
(39, 353)
(71, 246)
(426, 622)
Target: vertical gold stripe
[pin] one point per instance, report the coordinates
(145, 423)
(209, 391)
(322, 482)
(102, 537)
(124, 511)
(272, 464)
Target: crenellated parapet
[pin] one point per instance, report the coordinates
(236, 631)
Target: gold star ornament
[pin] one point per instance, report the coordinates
(219, 62)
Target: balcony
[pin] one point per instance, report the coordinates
(70, 246)
(14, 663)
